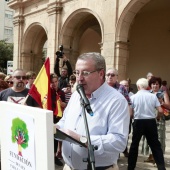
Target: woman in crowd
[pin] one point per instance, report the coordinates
(155, 85)
(8, 79)
(58, 105)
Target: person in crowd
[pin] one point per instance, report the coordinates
(164, 87)
(155, 85)
(18, 92)
(72, 80)
(3, 85)
(145, 124)
(31, 76)
(70, 88)
(125, 83)
(66, 71)
(2, 76)
(68, 93)
(112, 80)
(149, 75)
(129, 83)
(108, 128)
(8, 79)
(58, 105)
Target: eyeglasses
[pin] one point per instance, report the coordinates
(111, 74)
(19, 77)
(83, 73)
(9, 82)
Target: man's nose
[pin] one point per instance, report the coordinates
(80, 77)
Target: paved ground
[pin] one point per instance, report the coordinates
(141, 165)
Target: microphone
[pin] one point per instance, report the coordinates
(80, 90)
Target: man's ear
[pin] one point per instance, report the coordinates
(102, 73)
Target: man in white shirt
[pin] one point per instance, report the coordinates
(108, 127)
(143, 109)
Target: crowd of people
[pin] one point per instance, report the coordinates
(117, 111)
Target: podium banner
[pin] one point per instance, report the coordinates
(20, 141)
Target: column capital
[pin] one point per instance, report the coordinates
(54, 8)
(18, 20)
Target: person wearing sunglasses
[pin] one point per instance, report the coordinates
(8, 79)
(112, 80)
(108, 126)
(18, 92)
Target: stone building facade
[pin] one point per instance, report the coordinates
(132, 35)
(6, 22)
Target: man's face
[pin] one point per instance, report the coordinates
(92, 81)
(19, 79)
(126, 85)
(111, 77)
(64, 73)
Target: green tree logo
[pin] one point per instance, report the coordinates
(19, 134)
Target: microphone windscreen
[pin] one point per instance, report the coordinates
(79, 86)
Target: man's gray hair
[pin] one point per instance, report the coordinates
(115, 71)
(18, 69)
(142, 83)
(97, 57)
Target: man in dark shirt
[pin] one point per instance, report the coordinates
(66, 71)
(18, 92)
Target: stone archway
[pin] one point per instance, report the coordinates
(122, 35)
(32, 47)
(75, 26)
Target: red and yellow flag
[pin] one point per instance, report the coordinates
(40, 89)
(58, 110)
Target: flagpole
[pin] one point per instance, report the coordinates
(24, 102)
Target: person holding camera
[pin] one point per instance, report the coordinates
(66, 69)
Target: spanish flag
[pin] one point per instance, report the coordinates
(40, 89)
(58, 110)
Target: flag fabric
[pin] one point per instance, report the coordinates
(40, 90)
(58, 110)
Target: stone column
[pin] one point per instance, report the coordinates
(27, 61)
(121, 58)
(54, 15)
(18, 34)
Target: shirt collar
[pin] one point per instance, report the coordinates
(99, 91)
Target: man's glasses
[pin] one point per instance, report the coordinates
(9, 82)
(111, 74)
(19, 77)
(83, 73)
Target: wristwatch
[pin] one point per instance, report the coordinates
(83, 139)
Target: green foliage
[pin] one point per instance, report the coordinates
(19, 125)
(6, 53)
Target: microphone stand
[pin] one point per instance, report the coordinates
(91, 148)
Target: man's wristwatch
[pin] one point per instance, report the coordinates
(83, 139)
